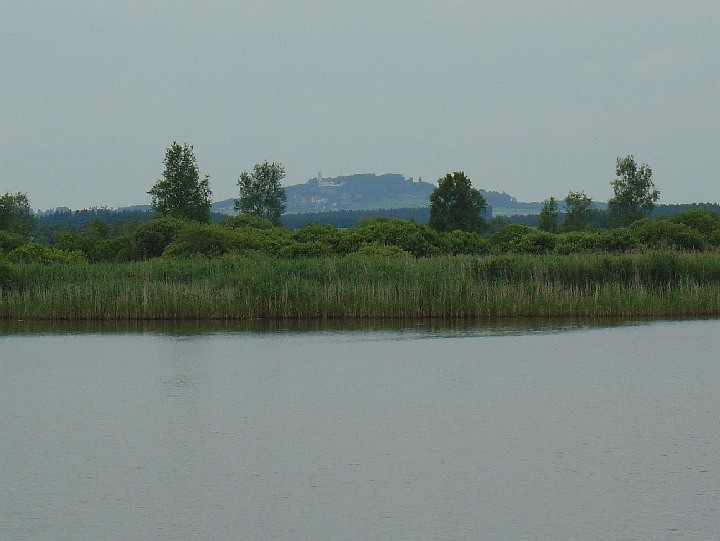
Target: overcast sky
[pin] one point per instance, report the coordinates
(532, 97)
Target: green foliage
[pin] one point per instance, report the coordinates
(616, 240)
(549, 216)
(9, 277)
(455, 204)
(152, 237)
(417, 239)
(663, 233)
(634, 192)
(261, 193)
(305, 249)
(95, 241)
(181, 193)
(379, 281)
(577, 242)
(464, 243)
(271, 242)
(577, 210)
(196, 239)
(381, 251)
(536, 242)
(9, 241)
(16, 215)
(247, 220)
(704, 221)
(33, 252)
(507, 238)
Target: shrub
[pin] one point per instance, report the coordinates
(152, 237)
(704, 221)
(383, 251)
(317, 232)
(536, 242)
(9, 277)
(577, 242)
(663, 233)
(208, 240)
(9, 241)
(33, 252)
(508, 236)
(617, 240)
(418, 239)
(307, 249)
(267, 241)
(247, 220)
(464, 243)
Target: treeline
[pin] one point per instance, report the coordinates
(162, 236)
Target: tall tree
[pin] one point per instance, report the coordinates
(181, 193)
(577, 209)
(455, 204)
(15, 214)
(634, 192)
(549, 216)
(261, 193)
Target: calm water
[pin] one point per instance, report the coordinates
(445, 433)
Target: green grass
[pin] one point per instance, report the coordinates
(657, 284)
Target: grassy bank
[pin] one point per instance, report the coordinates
(655, 284)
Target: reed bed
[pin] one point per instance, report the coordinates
(658, 284)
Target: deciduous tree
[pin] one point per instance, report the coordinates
(577, 209)
(181, 193)
(15, 214)
(261, 193)
(455, 204)
(634, 192)
(549, 216)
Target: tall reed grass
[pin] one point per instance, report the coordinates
(638, 285)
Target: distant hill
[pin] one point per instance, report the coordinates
(374, 192)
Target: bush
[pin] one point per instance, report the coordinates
(152, 237)
(617, 240)
(313, 248)
(9, 241)
(464, 243)
(9, 277)
(247, 220)
(704, 221)
(317, 232)
(577, 242)
(418, 239)
(507, 238)
(207, 240)
(536, 242)
(267, 241)
(663, 233)
(33, 252)
(383, 251)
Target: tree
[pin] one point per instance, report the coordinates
(261, 193)
(549, 215)
(16, 215)
(577, 209)
(634, 192)
(455, 204)
(181, 193)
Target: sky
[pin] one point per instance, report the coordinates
(535, 98)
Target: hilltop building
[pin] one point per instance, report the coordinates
(325, 182)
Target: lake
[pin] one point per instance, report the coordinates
(356, 431)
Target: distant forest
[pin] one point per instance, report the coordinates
(49, 223)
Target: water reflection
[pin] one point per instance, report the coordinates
(406, 327)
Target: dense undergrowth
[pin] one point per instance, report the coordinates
(234, 287)
(246, 268)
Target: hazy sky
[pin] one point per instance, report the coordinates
(532, 97)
